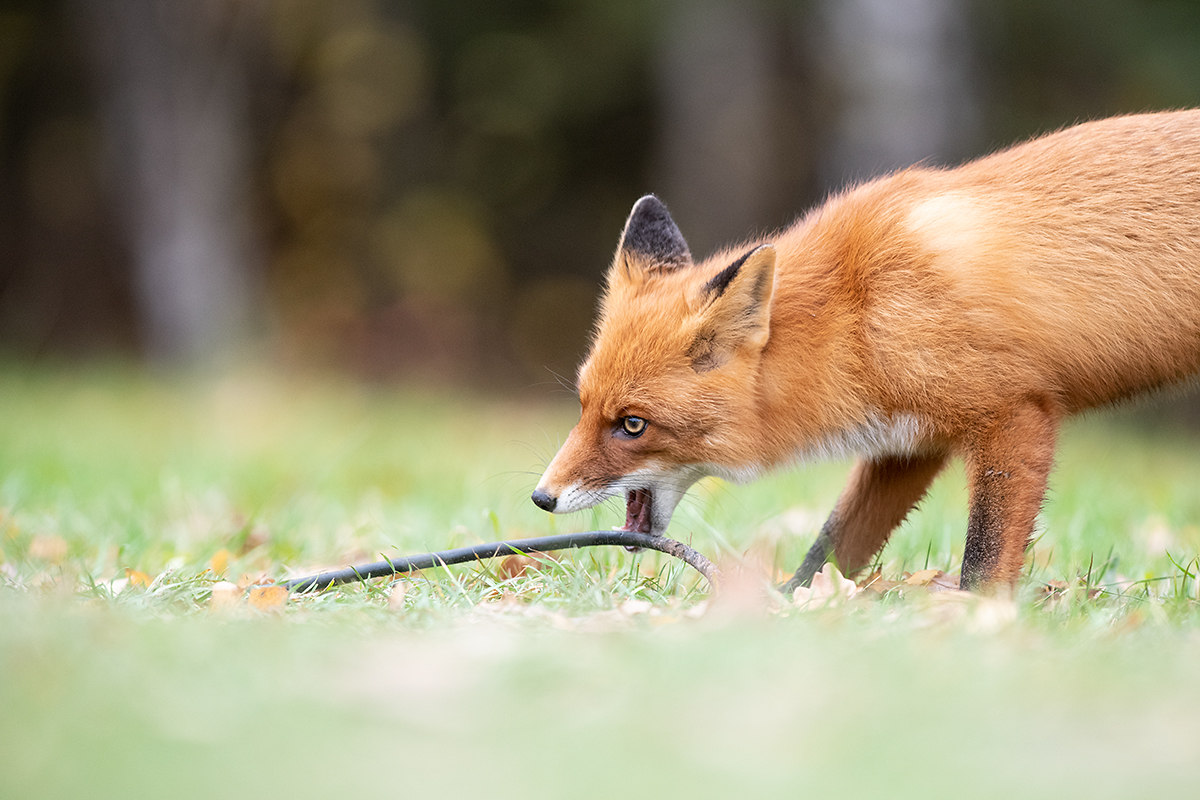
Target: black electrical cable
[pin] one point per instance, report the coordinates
(541, 544)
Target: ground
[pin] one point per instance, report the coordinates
(600, 674)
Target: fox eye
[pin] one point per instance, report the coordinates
(633, 426)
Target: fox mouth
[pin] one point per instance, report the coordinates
(638, 504)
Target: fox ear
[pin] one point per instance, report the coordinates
(651, 241)
(735, 308)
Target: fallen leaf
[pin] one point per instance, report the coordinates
(219, 562)
(396, 596)
(943, 583)
(922, 577)
(515, 566)
(138, 578)
(268, 597)
(828, 586)
(225, 595)
(875, 582)
(48, 547)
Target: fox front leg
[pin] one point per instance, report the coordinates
(878, 496)
(1007, 468)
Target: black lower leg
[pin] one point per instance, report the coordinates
(818, 555)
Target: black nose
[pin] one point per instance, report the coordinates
(546, 502)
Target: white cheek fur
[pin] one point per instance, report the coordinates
(576, 498)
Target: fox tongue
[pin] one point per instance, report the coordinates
(637, 510)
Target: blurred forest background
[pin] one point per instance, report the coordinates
(433, 188)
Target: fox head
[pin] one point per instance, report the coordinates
(668, 391)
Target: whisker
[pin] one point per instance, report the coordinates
(564, 382)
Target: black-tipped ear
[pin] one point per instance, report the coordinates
(652, 236)
(736, 308)
(717, 284)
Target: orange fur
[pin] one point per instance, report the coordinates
(926, 314)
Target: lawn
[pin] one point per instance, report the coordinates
(601, 674)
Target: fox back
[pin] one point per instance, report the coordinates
(928, 314)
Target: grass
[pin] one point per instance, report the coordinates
(602, 674)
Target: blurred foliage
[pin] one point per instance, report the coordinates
(442, 173)
(439, 185)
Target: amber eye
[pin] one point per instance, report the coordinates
(633, 426)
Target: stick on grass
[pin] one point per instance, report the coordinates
(541, 544)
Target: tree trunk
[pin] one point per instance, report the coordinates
(717, 145)
(172, 102)
(901, 70)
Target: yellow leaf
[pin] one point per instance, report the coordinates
(922, 577)
(137, 578)
(268, 598)
(219, 562)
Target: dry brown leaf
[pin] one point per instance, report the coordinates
(875, 582)
(515, 566)
(219, 562)
(932, 580)
(48, 547)
(943, 583)
(874, 576)
(225, 596)
(138, 578)
(268, 597)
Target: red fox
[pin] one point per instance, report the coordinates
(928, 314)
